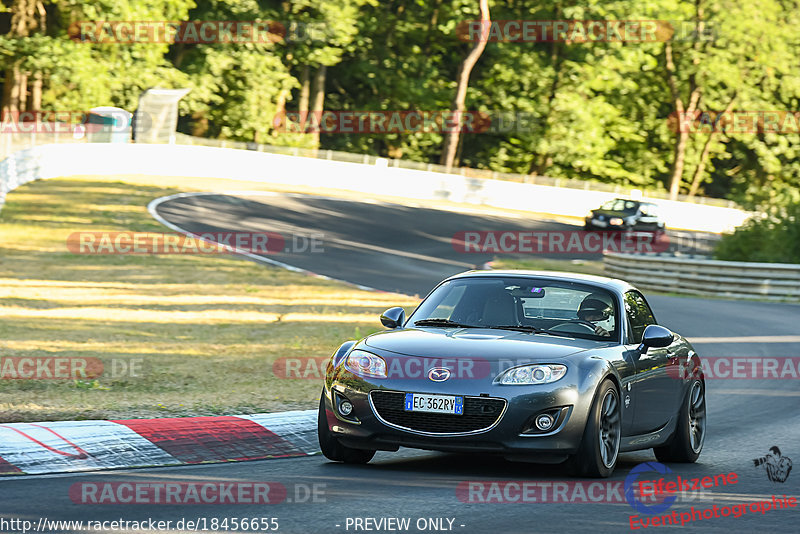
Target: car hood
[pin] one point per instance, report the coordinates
(489, 344)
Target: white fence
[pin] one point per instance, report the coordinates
(50, 161)
(467, 172)
(737, 279)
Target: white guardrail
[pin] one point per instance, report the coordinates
(50, 161)
(736, 279)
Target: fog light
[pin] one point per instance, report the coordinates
(345, 408)
(544, 422)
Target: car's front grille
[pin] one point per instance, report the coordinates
(480, 413)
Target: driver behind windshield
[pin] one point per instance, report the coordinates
(597, 310)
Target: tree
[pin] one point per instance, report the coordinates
(69, 75)
(733, 57)
(27, 17)
(462, 82)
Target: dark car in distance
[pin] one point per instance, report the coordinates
(625, 214)
(534, 366)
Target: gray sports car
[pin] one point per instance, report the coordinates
(536, 366)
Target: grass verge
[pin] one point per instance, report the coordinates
(202, 332)
(594, 267)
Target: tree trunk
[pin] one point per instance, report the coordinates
(682, 137)
(180, 54)
(22, 89)
(318, 101)
(459, 151)
(462, 80)
(280, 111)
(23, 21)
(679, 157)
(36, 92)
(35, 95)
(541, 162)
(679, 153)
(13, 91)
(11, 94)
(199, 124)
(431, 28)
(701, 165)
(305, 90)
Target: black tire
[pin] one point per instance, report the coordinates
(330, 446)
(605, 419)
(686, 442)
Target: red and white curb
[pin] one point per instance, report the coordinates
(70, 446)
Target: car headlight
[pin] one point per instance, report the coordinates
(532, 374)
(364, 363)
(616, 221)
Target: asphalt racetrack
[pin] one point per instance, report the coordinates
(408, 249)
(385, 246)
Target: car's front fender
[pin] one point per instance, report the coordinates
(336, 358)
(593, 370)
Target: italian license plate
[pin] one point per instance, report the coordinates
(416, 402)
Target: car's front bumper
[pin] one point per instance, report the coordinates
(598, 224)
(505, 436)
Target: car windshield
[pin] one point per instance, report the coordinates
(619, 204)
(649, 209)
(541, 306)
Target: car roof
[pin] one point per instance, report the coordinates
(644, 202)
(611, 284)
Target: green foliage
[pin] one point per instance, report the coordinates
(594, 110)
(773, 238)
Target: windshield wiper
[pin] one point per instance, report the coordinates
(442, 322)
(517, 327)
(531, 329)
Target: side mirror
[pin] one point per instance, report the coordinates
(655, 336)
(393, 317)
